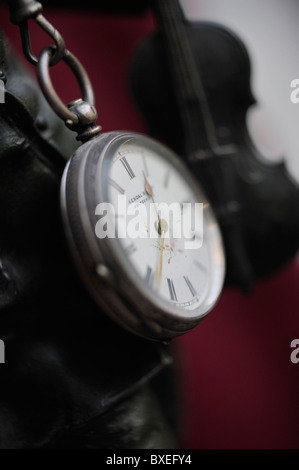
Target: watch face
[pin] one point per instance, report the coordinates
(142, 234)
(166, 238)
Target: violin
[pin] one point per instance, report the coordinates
(192, 83)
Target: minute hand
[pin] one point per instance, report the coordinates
(149, 191)
(162, 227)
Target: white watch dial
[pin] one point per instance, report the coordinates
(143, 236)
(179, 275)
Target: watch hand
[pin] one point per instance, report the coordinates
(161, 260)
(162, 228)
(149, 191)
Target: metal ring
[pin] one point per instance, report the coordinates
(47, 87)
(55, 35)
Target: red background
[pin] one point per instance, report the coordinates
(239, 387)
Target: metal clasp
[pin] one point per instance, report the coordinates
(80, 115)
(51, 31)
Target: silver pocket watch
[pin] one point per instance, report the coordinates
(153, 286)
(157, 285)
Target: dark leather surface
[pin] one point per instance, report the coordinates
(72, 378)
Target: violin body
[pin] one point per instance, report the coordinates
(256, 202)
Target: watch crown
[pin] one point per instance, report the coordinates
(104, 273)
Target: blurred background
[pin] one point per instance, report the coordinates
(270, 31)
(238, 387)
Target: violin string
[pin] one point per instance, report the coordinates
(192, 81)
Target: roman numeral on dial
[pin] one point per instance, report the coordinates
(172, 290)
(149, 277)
(116, 186)
(191, 288)
(127, 167)
(166, 179)
(130, 250)
(200, 266)
(145, 165)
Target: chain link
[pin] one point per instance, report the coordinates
(80, 115)
(51, 31)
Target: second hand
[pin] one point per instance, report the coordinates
(161, 260)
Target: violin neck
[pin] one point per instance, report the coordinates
(188, 84)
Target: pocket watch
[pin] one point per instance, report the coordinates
(155, 284)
